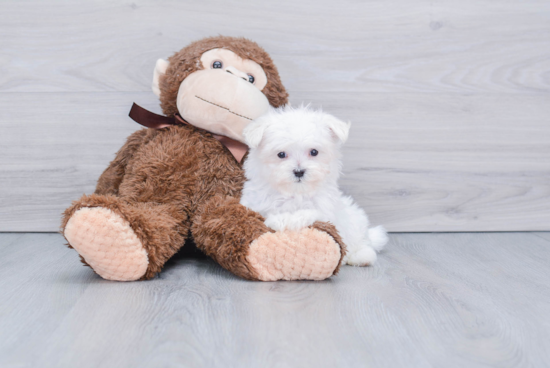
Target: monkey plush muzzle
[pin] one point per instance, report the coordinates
(220, 102)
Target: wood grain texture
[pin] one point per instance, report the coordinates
(432, 300)
(449, 100)
(409, 163)
(371, 46)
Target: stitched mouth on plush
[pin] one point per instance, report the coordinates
(221, 107)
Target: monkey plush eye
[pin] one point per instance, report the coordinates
(251, 78)
(217, 64)
(314, 152)
(281, 155)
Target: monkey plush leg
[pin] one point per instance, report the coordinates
(123, 241)
(239, 241)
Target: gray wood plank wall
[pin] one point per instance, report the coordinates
(449, 100)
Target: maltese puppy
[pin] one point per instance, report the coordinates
(292, 170)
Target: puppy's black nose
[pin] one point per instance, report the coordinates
(299, 173)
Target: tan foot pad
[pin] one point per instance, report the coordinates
(308, 254)
(107, 243)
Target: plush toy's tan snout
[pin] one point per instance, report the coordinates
(220, 102)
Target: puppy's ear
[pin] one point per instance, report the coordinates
(254, 132)
(338, 128)
(160, 69)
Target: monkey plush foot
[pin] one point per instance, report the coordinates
(307, 254)
(107, 243)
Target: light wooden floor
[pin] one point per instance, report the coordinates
(433, 300)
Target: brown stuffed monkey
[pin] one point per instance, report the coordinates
(184, 180)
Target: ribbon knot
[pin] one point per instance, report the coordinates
(155, 121)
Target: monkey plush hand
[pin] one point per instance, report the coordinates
(166, 185)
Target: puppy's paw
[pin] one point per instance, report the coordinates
(378, 237)
(281, 222)
(292, 221)
(365, 256)
(275, 222)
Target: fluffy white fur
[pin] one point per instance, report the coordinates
(291, 202)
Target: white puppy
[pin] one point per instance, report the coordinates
(292, 170)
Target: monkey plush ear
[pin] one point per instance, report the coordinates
(338, 128)
(160, 69)
(254, 132)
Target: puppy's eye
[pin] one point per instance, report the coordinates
(314, 152)
(251, 78)
(217, 64)
(281, 155)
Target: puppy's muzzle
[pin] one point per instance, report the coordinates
(299, 173)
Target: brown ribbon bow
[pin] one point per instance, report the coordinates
(155, 121)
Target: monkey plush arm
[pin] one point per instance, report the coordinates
(109, 181)
(237, 238)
